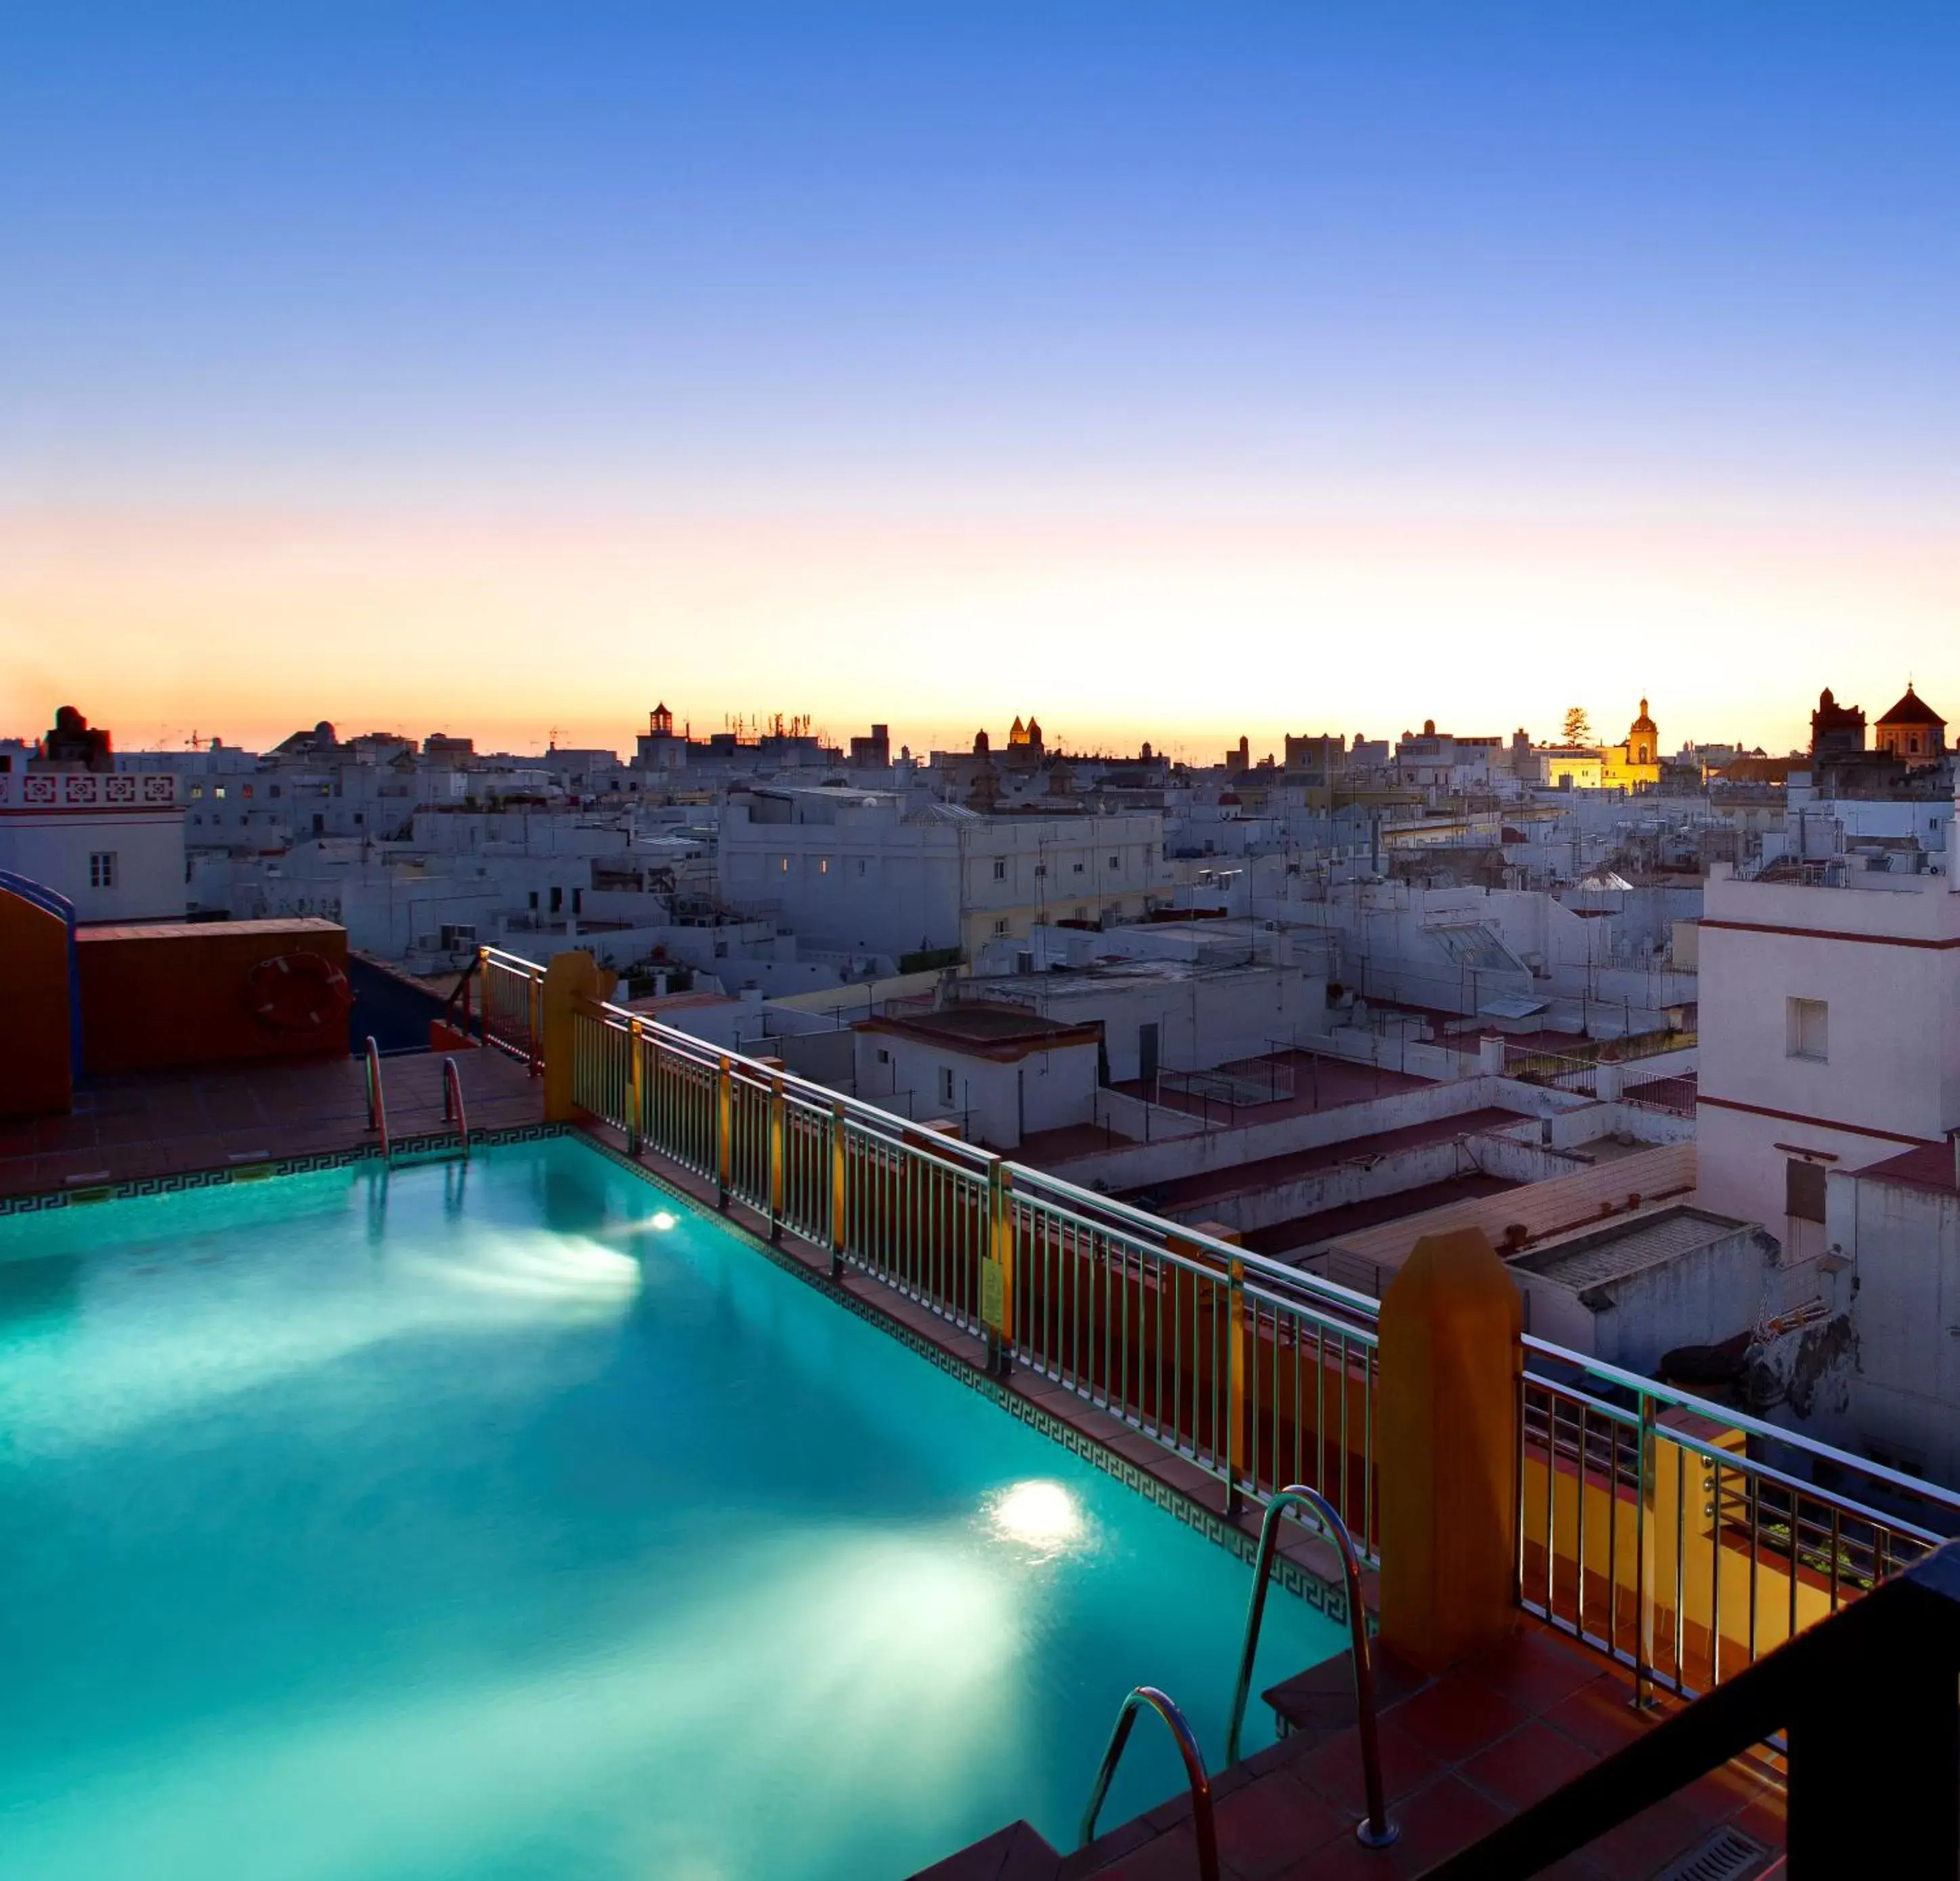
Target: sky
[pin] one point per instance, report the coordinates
(1167, 372)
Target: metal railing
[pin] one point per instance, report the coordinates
(1677, 1536)
(511, 999)
(1374, 1830)
(453, 1111)
(1261, 1375)
(1686, 1539)
(1203, 1828)
(377, 1101)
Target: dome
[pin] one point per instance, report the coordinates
(1643, 723)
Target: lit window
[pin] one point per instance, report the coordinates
(102, 868)
(823, 864)
(197, 790)
(782, 865)
(245, 790)
(1809, 1029)
(217, 790)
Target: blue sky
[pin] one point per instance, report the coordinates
(1190, 328)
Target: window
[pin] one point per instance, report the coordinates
(1040, 869)
(1807, 1022)
(862, 866)
(1001, 870)
(884, 1056)
(218, 790)
(1803, 1189)
(823, 864)
(102, 868)
(197, 790)
(1000, 927)
(1115, 861)
(782, 865)
(946, 1084)
(245, 790)
(275, 789)
(1078, 868)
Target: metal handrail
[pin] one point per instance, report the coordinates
(1920, 1488)
(377, 1103)
(1201, 1821)
(452, 1104)
(1374, 1830)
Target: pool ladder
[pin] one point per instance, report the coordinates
(452, 1109)
(1374, 1830)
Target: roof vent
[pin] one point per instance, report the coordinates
(1727, 1855)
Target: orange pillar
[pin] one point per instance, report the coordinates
(34, 1046)
(572, 986)
(1447, 1436)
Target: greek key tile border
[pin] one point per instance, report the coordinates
(181, 1182)
(1323, 1596)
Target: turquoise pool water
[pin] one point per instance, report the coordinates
(453, 1524)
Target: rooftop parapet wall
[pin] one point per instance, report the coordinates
(165, 997)
(88, 790)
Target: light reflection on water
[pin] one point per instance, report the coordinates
(539, 1542)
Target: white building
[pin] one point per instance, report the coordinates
(111, 842)
(1830, 1036)
(1000, 1072)
(1892, 1390)
(859, 870)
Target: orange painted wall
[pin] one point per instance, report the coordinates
(34, 1015)
(155, 998)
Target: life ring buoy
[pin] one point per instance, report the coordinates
(297, 993)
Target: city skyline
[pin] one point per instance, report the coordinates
(496, 370)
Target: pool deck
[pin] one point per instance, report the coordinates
(129, 1128)
(1460, 1755)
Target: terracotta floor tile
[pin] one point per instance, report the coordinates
(1172, 1857)
(1334, 1771)
(1458, 1717)
(1527, 1765)
(1599, 1716)
(1268, 1825)
(1536, 1669)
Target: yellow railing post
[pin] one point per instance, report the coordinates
(635, 1091)
(724, 1129)
(838, 1216)
(1235, 1382)
(996, 1271)
(777, 1158)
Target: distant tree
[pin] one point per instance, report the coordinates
(1578, 727)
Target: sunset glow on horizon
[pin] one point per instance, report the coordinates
(1169, 377)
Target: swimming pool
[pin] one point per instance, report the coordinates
(520, 1521)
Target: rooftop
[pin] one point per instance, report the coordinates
(1629, 1246)
(1005, 1032)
